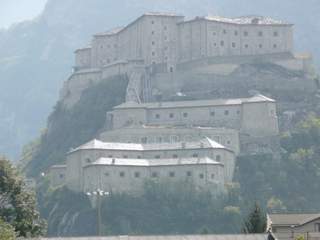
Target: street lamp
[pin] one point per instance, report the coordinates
(98, 193)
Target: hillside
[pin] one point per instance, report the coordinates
(36, 56)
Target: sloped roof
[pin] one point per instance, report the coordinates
(292, 219)
(153, 162)
(195, 103)
(97, 144)
(242, 20)
(173, 237)
(110, 32)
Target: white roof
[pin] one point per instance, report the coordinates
(153, 162)
(244, 20)
(97, 144)
(196, 103)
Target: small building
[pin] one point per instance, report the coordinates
(291, 226)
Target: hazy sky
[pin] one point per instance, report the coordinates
(12, 11)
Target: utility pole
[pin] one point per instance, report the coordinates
(98, 194)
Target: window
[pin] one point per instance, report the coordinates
(238, 112)
(260, 46)
(189, 174)
(61, 175)
(201, 176)
(152, 33)
(122, 174)
(138, 157)
(275, 34)
(224, 31)
(174, 156)
(110, 156)
(154, 175)
(165, 38)
(101, 46)
(166, 48)
(157, 156)
(153, 53)
(246, 46)
(275, 46)
(125, 156)
(195, 155)
(222, 43)
(226, 112)
(212, 114)
(106, 174)
(165, 27)
(212, 176)
(245, 33)
(218, 158)
(171, 115)
(317, 226)
(144, 140)
(233, 44)
(157, 116)
(172, 174)
(215, 44)
(153, 43)
(88, 160)
(214, 33)
(260, 34)
(236, 33)
(185, 115)
(152, 22)
(136, 174)
(228, 142)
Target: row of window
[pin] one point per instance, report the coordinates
(195, 155)
(246, 33)
(234, 45)
(171, 174)
(185, 114)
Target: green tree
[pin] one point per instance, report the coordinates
(6, 231)
(256, 222)
(17, 204)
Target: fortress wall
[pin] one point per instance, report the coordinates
(259, 119)
(108, 177)
(83, 58)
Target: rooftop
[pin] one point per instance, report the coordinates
(292, 219)
(153, 162)
(96, 144)
(243, 20)
(173, 237)
(110, 32)
(195, 103)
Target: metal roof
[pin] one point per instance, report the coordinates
(292, 219)
(153, 162)
(97, 144)
(176, 237)
(196, 103)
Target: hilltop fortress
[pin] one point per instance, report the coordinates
(159, 47)
(165, 57)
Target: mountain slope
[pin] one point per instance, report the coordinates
(36, 56)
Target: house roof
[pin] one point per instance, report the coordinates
(173, 237)
(153, 162)
(292, 219)
(196, 103)
(243, 20)
(97, 144)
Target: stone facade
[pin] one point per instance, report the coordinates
(130, 175)
(57, 175)
(255, 116)
(90, 152)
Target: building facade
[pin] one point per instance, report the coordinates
(255, 116)
(165, 157)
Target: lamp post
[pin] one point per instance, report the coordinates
(98, 194)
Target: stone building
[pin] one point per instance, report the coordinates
(163, 156)
(130, 175)
(254, 116)
(57, 175)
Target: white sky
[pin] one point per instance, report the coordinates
(12, 11)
